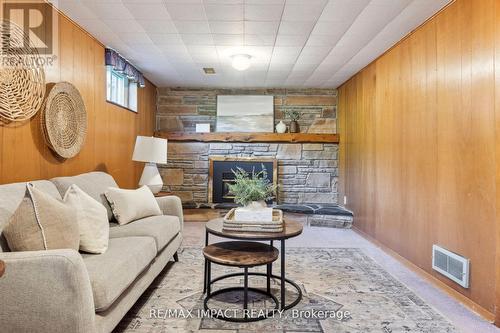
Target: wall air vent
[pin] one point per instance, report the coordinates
(451, 265)
(209, 70)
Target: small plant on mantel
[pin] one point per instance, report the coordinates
(251, 190)
(294, 115)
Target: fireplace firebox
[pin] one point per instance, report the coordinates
(221, 174)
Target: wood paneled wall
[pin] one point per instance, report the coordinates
(419, 131)
(111, 129)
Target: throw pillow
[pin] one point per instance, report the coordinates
(41, 222)
(131, 205)
(92, 218)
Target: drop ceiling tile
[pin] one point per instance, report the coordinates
(264, 2)
(205, 58)
(260, 40)
(226, 27)
(278, 74)
(224, 12)
(296, 28)
(197, 39)
(221, 39)
(202, 49)
(302, 12)
(110, 11)
(326, 68)
(261, 27)
(291, 40)
(178, 49)
(324, 27)
(323, 40)
(312, 82)
(279, 67)
(286, 55)
(96, 26)
(304, 67)
(191, 2)
(177, 57)
(132, 38)
(259, 66)
(343, 9)
(120, 26)
(315, 51)
(186, 11)
(78, 11)
(192, 27)
(166, 39)
(148, 11)
(320, 75)
(263, 12)
(158, 26)
(223, 2)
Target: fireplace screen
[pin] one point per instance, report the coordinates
(221, 175)
(227, 179)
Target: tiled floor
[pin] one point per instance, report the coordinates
(460, 316)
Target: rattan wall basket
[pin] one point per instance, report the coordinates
(22, 77)
(64, 120)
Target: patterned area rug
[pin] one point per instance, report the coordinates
(343, 291)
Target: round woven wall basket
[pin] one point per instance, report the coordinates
(64, 120)
(22, 79)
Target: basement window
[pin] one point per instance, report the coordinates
(120, 89)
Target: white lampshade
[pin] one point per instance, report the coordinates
(150, 149)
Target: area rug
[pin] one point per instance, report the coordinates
(343, 291)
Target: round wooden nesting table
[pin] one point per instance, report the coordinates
(244, 255)
(290, 229)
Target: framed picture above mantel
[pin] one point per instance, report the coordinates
(245, 113)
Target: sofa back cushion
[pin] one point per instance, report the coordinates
(93, 183)
(11, 196)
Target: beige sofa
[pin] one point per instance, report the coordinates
(65, 291)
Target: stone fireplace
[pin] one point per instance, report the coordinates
(220, 174)
(305, 172)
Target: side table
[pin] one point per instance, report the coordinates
(243, 255)
(290, 229)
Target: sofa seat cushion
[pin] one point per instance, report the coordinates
(112, 272)
(161, 228)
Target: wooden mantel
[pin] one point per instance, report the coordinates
(250, 137)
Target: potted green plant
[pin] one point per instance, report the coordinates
(294, 115)
(252, 191)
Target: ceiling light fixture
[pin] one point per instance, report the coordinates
(241, 62)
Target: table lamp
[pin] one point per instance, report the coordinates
(152, 151)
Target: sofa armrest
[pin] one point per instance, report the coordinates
(46, 291)
(171, 205)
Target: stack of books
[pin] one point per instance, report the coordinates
(276, 225)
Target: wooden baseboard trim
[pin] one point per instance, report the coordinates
(471, 305)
